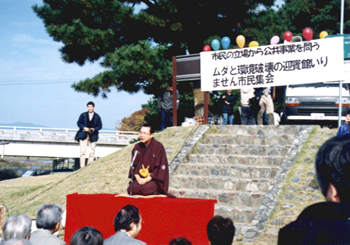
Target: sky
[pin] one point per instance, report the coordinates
(35, 84)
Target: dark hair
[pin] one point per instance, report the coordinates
(127, 215)
(220, 231)
(87, 236)
(90, 103)
(180, 241)
(48, 216)
(333, 166)
(148, 125)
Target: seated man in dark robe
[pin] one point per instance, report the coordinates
(149, 172)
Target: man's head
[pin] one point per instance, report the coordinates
(128, 219)
(87, 236)
(347, 117)
(17, 227)
(49, 217)
(170, 88)
(229, 91)
(180, 241)
(90, 106)
(220, 231)
(267, 91)
(146, 133)
(333, 169)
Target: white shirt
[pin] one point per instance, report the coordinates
(91, 115)
(246, 94)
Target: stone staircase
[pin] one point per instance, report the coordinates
(237, 166)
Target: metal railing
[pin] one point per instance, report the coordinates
(66, 130)
(41, 134)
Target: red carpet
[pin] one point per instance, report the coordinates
(163, 218)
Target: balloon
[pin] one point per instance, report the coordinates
(287, 35)
(206, 48)
(225, 42)
(274, 40)
(240, 40)
(253, 44)
(323, 34)
(308, 33)
(215, 44)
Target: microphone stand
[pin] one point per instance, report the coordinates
(132, 169)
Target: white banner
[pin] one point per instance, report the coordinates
(319, 60)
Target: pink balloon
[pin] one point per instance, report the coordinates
(206, 48)
(274, 40)
(308, 33)
(287, 35)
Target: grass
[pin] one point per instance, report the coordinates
(106, 175)
(109, 175)
(300, 188)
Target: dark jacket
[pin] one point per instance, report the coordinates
(95, 123)
(323, 223)
(344, 129)
(166, 100)
(228, 108)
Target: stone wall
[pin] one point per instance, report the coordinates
(242, 167)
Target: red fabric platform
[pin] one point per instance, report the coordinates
(163, 218)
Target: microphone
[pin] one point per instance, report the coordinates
(132, 170)
(133, 158)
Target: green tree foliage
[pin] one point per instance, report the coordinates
(295, 15)
(137, 46)
(135, 39)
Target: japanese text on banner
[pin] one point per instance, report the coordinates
(274, 65)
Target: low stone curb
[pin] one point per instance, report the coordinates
(262, 214)
(187, 147)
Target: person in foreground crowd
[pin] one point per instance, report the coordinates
(17, 227)
(344, 129)
(89, 124)
(326, 222)
(149, 172)
(180, 241)
(48, 221)
(220, 231)
(87, 236)
(127, 225)
(15, 241)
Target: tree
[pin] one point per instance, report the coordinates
(137, 46)
(134, 121)
(295, 15)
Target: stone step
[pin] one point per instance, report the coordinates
(272, 131)
(239, 215)
(228, 198)
(258, 150)
(251, 160)
(238, 171)
(282, 140)
(210, 183)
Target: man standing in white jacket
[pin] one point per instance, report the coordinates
(247, 115)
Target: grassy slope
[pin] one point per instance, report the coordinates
(106, 175)
(300, 188)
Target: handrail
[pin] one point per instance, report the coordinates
(41, 129)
